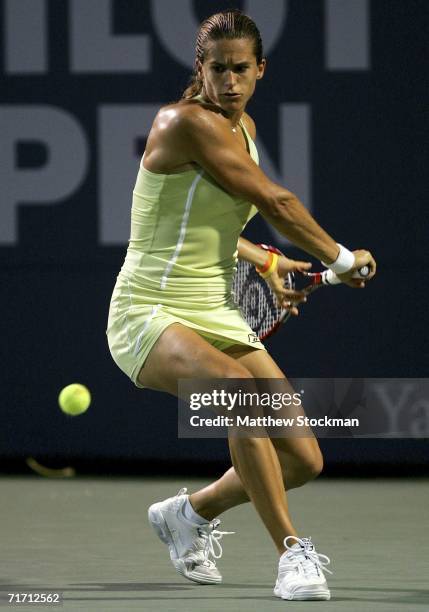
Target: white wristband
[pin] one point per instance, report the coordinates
(344, 262)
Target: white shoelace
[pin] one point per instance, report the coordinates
(312, 562)
(209, 539)
(212, 536)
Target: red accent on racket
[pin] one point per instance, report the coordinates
(257, 301)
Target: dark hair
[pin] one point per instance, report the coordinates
(231, 24)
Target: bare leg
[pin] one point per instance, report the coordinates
(219, 496)
(228, 491)
(181, 353)
(256, 460)
(300, 459)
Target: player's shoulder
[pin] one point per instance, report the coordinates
(250, 125)
(186, 115)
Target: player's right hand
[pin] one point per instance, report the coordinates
(362, 258)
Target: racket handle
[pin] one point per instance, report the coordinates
(330, 278)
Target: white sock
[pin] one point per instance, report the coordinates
(191, 515)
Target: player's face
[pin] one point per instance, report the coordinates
(230, 72)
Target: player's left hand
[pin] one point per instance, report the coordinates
(287, 298)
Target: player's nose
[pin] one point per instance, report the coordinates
(230, 78)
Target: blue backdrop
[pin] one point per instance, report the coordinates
(341, 117)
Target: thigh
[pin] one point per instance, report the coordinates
(261, 365)
(259, 362)
(182, 353)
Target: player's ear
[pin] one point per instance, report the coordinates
(261, 68)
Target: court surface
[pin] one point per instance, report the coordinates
(89, 539)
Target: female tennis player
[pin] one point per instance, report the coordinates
(172, 316)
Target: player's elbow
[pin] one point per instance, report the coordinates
(278, 205)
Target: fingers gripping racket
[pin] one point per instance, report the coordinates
(257, 301)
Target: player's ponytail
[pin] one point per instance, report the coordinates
(229, 24)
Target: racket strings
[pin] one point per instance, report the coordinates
(256, 300)
(258, 303)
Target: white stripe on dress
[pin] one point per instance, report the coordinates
(182, 232)
(126, 315)
(145, 326)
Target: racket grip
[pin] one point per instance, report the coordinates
(330, 278)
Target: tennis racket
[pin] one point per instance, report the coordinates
(258, 302)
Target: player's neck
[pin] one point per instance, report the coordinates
(234, 116)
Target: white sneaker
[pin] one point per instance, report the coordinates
(190, 544)
(301, 572)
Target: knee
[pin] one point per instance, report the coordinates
(308, 468)
(313, 465)
(229, 378)
(235, 370)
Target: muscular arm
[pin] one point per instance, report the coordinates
(210, 143)
(251, 252)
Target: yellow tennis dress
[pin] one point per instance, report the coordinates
(179, 265)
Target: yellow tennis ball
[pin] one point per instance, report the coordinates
(74, 399)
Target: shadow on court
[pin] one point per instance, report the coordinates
(89, 539)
